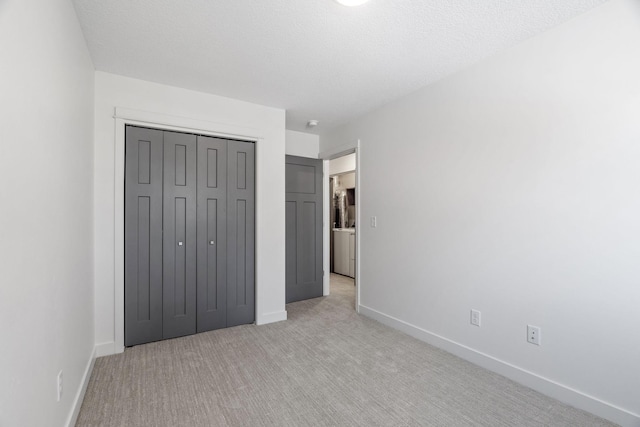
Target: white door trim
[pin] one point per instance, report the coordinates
(125, 116)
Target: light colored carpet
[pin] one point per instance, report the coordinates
(325, 366)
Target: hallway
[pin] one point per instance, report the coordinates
(344, 287)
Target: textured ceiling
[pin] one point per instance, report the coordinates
(314, 58)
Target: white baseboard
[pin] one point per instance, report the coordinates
(276, 316)
(105, 349)
(109, 348)
(543, 385)
(77, 401)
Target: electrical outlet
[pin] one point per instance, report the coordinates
(374, 222)
(59, 382)
(475, 317)
(533, 334)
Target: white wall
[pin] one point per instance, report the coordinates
(342, 164)
(520, 198)
(347, 180)
(46, 226)
(302, 144)
(180, 105)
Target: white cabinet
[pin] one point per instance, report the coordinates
(344, 251)
(341, 252)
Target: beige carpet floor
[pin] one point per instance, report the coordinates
(325, 366)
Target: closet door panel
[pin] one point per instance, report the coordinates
(240, 233)
(212, 233)
(143, 235)
(179, 240)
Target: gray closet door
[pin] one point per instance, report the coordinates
(303, 228)
(212, 233)
(143, 236)
(179, 242)
(189, 234)
(240, 233)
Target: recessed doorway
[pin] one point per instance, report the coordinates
(343, 213)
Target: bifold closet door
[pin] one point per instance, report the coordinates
(189, 234)
(179, 241)
(212, 233)
(240, 233)
(143, 236)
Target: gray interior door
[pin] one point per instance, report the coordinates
(240, 233)
(212, 233)
(303, 228)
(179, 243)
(143, 236)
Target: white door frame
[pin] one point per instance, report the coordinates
(327, 155)
(125, 116)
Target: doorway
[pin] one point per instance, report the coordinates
(342, 197)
